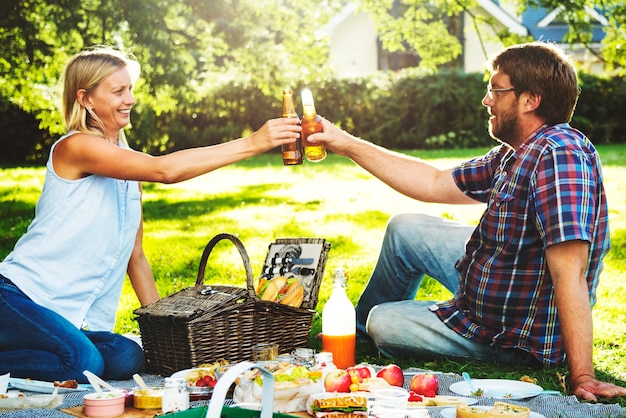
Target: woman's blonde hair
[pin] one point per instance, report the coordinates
(86, 70)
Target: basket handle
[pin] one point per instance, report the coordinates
(224, 383)
(242, 251)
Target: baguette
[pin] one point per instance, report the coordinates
(356, 414)
(338, 405)
(281, 289)
(341, 402)
(273, 287)
(499, 410)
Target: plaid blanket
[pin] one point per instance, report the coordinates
(550, 406)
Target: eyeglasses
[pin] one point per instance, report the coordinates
(491, 90)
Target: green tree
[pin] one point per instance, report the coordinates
(185, 47)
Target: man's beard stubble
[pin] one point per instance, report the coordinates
(506, 129)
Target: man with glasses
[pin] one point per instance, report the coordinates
(524, 280)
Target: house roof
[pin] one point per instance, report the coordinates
(503, 17)
(545, 24)
(337, 19)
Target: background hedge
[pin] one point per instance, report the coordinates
(401, 111)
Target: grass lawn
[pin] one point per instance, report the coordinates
(260, 200)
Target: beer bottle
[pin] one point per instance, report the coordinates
(292, 152)
(311, 123)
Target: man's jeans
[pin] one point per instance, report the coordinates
(415, 245)
(39, 344)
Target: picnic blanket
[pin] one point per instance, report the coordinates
(550, 406)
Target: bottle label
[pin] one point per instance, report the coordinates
(295, 155)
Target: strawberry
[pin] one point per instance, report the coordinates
(414, 397)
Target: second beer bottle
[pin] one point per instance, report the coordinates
(292, 152)
(311, 123)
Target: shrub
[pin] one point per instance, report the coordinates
(600, 109)
(400, 111)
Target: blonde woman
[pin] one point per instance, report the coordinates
(60, 286)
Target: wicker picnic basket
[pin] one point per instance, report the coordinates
(206, 323)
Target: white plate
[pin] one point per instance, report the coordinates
(451, 412)
(467, 401)
(42, 387)
(499, 388)
(183, 373)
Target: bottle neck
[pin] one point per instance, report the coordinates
(339, 279)
(289, 110)
(308, 111)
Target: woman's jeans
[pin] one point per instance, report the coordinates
(37, 343)
(415, 245)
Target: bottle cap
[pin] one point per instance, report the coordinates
(324, 357)
(339, 278)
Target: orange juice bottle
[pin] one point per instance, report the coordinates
(339, 324)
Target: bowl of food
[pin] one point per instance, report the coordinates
(390, 401)
(129, 399)
(202, 379)
(148, 399)
(105, 404)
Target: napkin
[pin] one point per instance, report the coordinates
(4, 383)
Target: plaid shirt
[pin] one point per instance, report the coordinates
(548, 191)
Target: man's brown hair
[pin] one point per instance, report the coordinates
(544, 69)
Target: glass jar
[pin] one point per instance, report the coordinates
(303, 356)
(175, 395)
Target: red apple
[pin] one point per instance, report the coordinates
(361, 371)
(392, 374)
(337, 380)
(425, 384)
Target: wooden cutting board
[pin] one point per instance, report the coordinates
(130, 412)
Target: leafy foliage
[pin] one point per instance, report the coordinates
(185, 47)
(213, 71)
(428, 28)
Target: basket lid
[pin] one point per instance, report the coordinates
(192, 302)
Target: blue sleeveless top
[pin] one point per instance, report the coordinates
(74, 255)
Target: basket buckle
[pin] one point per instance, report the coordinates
(210, 291)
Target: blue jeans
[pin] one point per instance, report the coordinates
(37, 343)
(415, 245)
